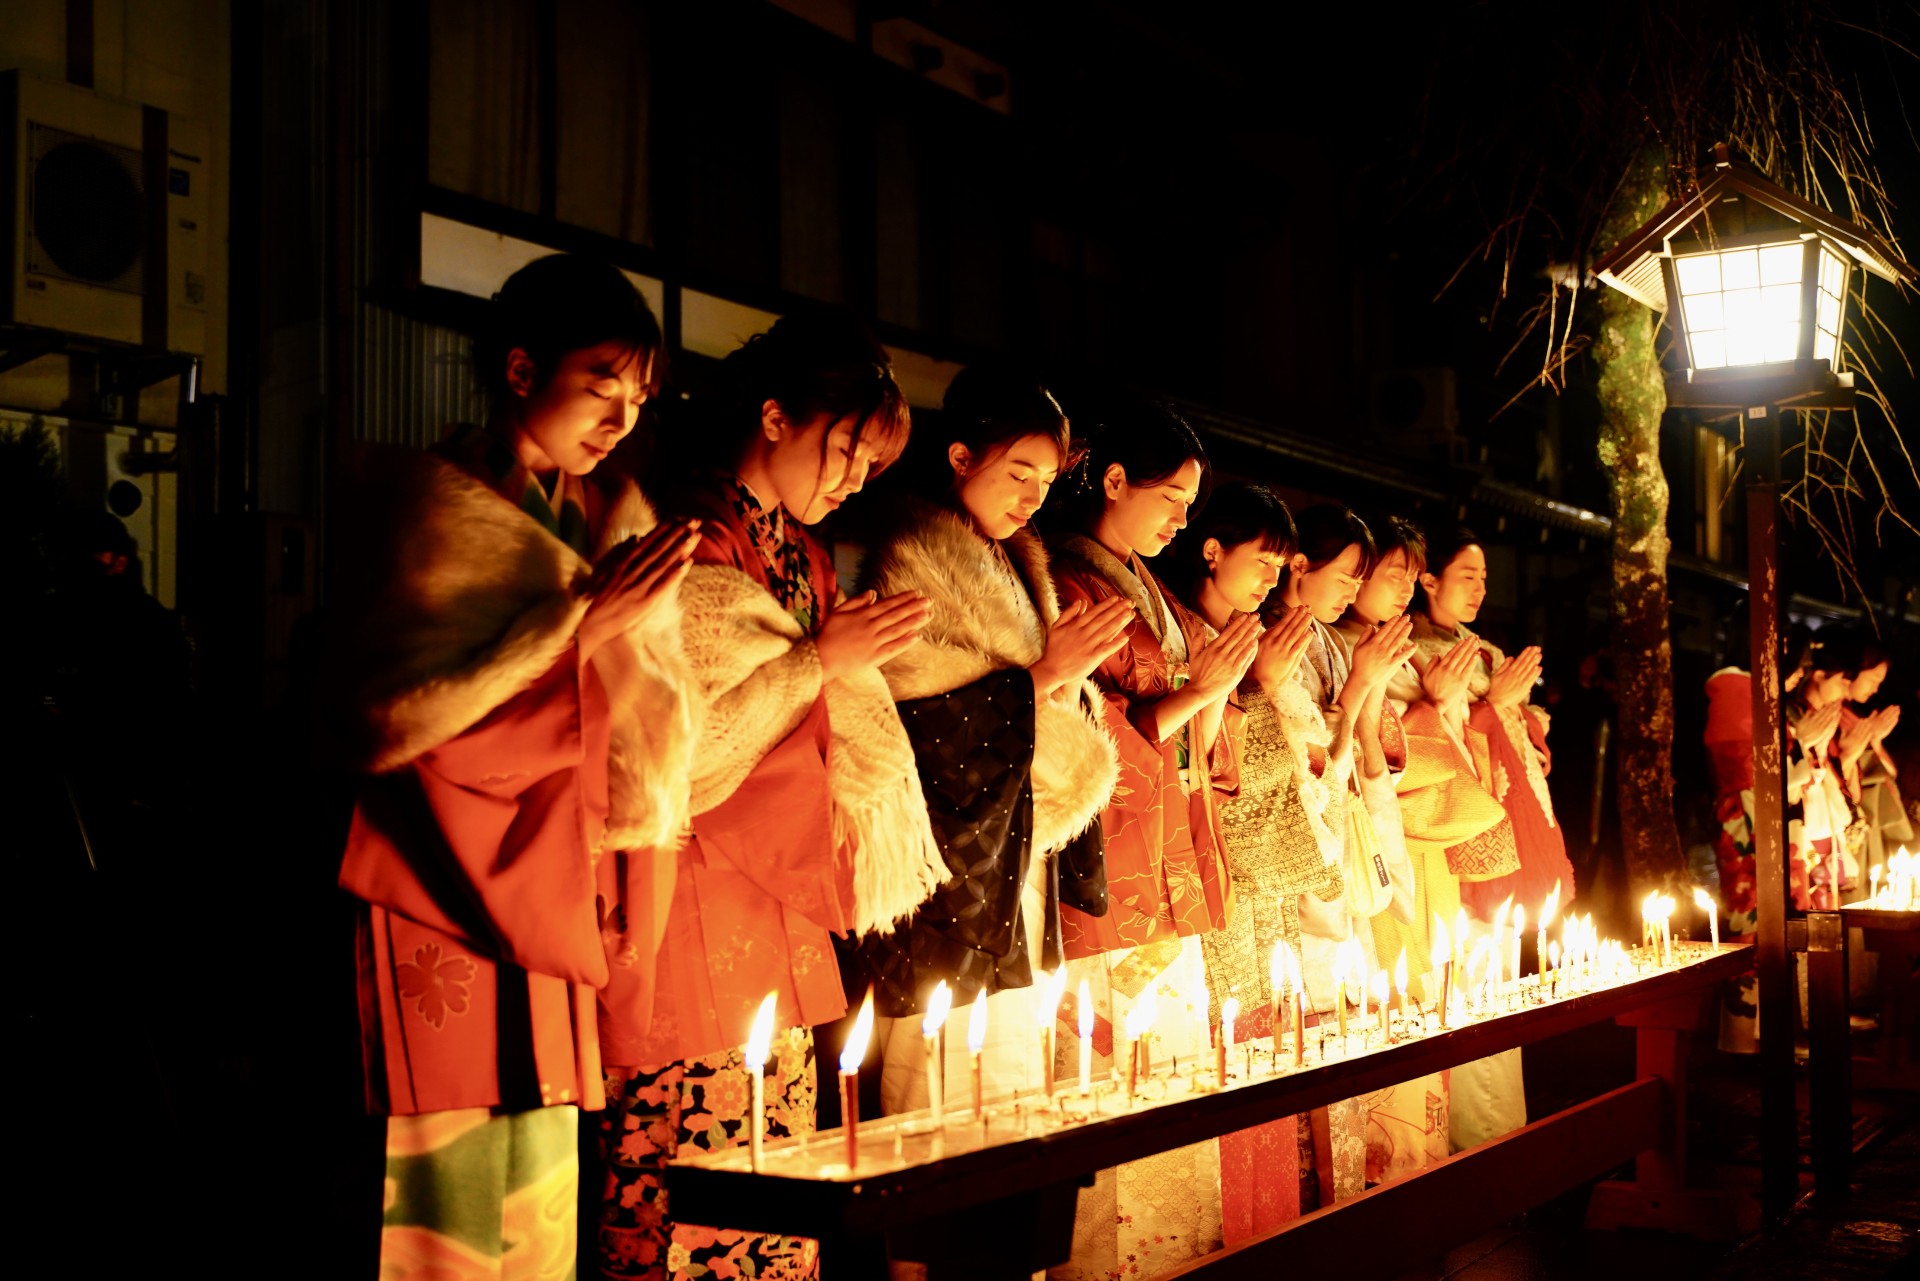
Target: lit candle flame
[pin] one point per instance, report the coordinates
(1442, 950)
(1519, 919)
(1553, 954)
(1552, 905)
(1229, 1011)
(1051, 992)
(856, 1047)
(977, 1024)
(1277, 968)
(1086, 1012)
(1141, 1014)
(1400, 974)
(760, 1039)
(937, 1007)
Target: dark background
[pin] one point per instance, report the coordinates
(1237, 207)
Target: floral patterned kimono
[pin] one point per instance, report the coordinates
(493, 797)
(1167, 884)
(761, 884)
(1387, 1133)
(1015, 788)
(1517, 743)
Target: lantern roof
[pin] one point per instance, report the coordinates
(1633, 266)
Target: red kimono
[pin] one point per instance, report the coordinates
(1166, 875)
(761, 883)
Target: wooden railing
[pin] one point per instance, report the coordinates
(999, 1202)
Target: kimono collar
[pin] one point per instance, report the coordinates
(1129, 584)
(482, 454)
(783, 552)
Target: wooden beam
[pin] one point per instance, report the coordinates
(1409, 1222)
(911, 1183)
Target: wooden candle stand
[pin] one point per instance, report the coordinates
(1001, 1205)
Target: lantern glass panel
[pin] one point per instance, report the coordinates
(1824, 345)
(1833, 273)
(1742, 306)
(1740, 269)
(1829, 312)
(1780, 264)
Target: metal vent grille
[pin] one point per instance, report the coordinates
(415, 378)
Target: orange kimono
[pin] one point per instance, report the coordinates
(1166, 874)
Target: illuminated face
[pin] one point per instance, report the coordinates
(1245, 573)
(1460, 588)
(1328, 590)
(1002, 491)
(1826, 687)
(815, 467)
(1867, 684)
(1388, 590)
(573, 419)
(1145, 518)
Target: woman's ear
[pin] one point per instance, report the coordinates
(1430, 584)
(522, 374)
(959, 457)
(1299, 565)
(773, 422)
(1211, 552)
(1113, 480)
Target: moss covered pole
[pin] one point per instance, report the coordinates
(1633, 396)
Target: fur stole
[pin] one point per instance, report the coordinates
(760, 675)
(469, 602)
(981, 620)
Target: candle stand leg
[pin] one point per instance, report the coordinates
(1029, 1233)
(1830, 1054)
(1658, 1196)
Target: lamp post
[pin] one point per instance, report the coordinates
(1753, 281)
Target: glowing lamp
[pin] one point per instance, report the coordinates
(1753, 281)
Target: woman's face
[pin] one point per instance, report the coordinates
(1244, 574)
(814, 466)
(1328, 590)
(572, 420)
(1867, 684)
(1826, 687)
(1388, 590)
(1002, 490)
(1460, 588)
(1145, 518)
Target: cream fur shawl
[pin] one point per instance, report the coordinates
(760, 674)
(468, 602)
(980, 622)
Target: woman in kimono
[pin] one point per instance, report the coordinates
(1352, 747)
(1225, 564)
(1455, 830)
(1013, 757)
(1865, 764)
(510, 659)
(1825, 836)
(1454, 585)
(1164, 697)
(808, 818)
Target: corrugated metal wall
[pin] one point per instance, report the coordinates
(413, 379)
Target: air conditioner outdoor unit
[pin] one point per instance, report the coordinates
(105, 210)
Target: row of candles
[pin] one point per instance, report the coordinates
(1473, 983)
(1901, 893)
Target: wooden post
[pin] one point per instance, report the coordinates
(1830, 1053)
(1779, 1180)
(1658, 1197)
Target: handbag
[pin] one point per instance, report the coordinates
(1363, 870)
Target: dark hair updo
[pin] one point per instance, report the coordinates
(1147, 438)
(990, 406)
(1442, 550)
(1235, 514)
(1398, 534)
(559, 304)
(816, 363)
(1327, 529)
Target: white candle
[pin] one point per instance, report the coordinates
(932, 1028)
(759, 1046)
(1519, 928)
(1704, 901)
(1086, 1040)
(1229, 1011)
(976, 1042)
(850, 1056)
(1049, 1014)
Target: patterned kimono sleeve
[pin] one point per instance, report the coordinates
(488, 836)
